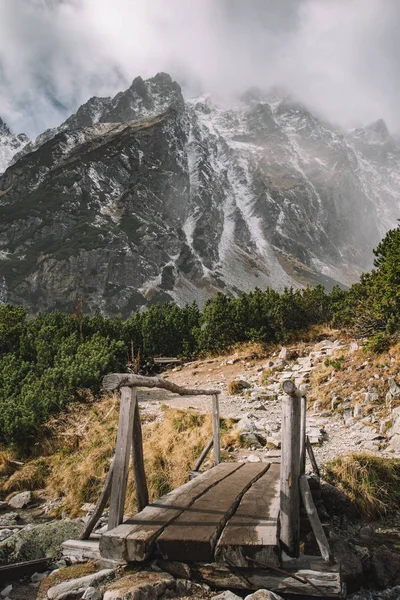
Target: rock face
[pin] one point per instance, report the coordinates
(147, 197)
(10, 144)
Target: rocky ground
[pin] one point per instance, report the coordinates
(353, 406)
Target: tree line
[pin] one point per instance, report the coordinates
(47, 360)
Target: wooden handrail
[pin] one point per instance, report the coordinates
(118, 380)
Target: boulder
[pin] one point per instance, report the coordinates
(227, 595)
(143, 585)
(253, 458)
(92, 593)
(283, 354)
(385, 567)
(352, 567)
(74, 586)
(6, 591)
(5, 533)
(263, 595)
(10, 518)
(40, 541)
(20, 500)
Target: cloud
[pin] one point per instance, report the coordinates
(339, 56)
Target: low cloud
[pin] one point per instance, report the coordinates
(338, 56)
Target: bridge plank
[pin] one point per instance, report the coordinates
(253, 529)
(193, 535)
(134, 539)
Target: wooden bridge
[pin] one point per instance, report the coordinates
(236, 525)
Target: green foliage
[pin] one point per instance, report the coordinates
(45, 361)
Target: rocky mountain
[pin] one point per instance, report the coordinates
(148, 197)
(10, 145)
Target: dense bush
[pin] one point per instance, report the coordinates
(45, 361)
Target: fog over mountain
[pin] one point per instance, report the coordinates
(340, 57)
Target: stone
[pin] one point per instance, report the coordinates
(371, 397)
(353, 347)
(394, 388)
(263, 595)
(92, 593)
(6, 591)
(352, 567)
(5, 533)
(39, 541)
(358, 412)
(143, 585)
(316, 406)
(385, 567)
(227, 595)
(20, 500)
(71, 587)
(283, 354)
(36, 577)
(253, 458)
(10, 518)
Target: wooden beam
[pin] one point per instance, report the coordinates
(326, 583)
(121, 461)
(303, 434)
(118, 380)
(203, 455)
(311, 456)
(312, 514)
(290, 470)
(139, 474)
(216, 429)
(101, 504)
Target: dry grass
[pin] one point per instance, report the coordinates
(75, 466)
(372, 483)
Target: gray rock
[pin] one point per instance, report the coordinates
(263, 595)
(283, 354)
(5, 533)
(253, 458)
(40, 541)
(386, 567)
(10, 518)
(227, 595)
(62, 590)
(358, 412)
(92, 593)
(6, 591)
(20, 500)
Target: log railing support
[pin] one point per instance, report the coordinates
(121, 461)
(303, 433)
(139, 475)
(216, 429)
(290, 470)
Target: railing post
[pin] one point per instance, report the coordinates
(216, 434)
(290, 470)
(121, 460)
(139, 474)
(303, 433)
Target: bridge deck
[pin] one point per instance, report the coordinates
(226, 514)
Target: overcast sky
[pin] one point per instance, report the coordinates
(341, 57)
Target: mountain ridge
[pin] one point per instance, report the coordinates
(148, 196)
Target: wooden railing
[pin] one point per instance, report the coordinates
(129, 443)
(294, 483)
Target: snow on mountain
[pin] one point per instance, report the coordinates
(10, 144)
(149, 197)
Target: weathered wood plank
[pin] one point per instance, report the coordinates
(311, 456)
(118, 380)
(121, 460)
(253, 529)
(193, 535)
(290, 470)
(101, 504)
(216, 429)
(134, 540)
(329, 582)
(312, 514)
(139, 474)
(303, 434)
